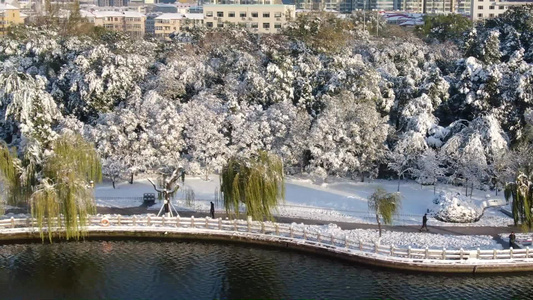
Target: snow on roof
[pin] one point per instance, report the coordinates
(245, 5)
(164, 5)
(7, 7)
(110, 13)
(412, 23)
(177, 16)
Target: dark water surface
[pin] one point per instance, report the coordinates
(198, 270)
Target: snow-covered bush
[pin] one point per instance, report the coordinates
(455, 209)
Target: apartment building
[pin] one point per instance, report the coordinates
(9, 16)
(242, 2)
(260, 18)
(343, 6)
(412, 6)
(166, 24)
(112, 3)
(483, 9)
(130, 22)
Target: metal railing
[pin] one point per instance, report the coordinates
(288, 233)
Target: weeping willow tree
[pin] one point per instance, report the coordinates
(521, 191)
(257, 182)
(58, 189)
(13, 190)
(385, 205)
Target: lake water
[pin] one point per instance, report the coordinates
(199, 270)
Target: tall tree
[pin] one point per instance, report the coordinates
(257, 182)
(521, 191)
(58, 189)
(385, 205)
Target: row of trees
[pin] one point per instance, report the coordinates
(325, 96)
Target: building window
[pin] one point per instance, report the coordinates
(242, 14)
(137, 26)
(501, 7)
(209, 24)
(491, 7)
(480, 7)
(220, 25)
(158, 28)
(255, 15)
(480, 15)
(277, 25)
(266, 15)
(208, 13)
(254, 25)
(266, 25)
(231, 14)
(108, 26)
(277, 15)
(491, 15)
(220, 14)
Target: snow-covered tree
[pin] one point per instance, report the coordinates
(348, 138)
(407, 151)
(203, 132)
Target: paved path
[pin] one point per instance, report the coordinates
(453, 230)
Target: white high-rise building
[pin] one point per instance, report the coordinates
(483, 9)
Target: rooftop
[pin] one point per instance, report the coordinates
(7, 7)
(110, 13)
(180, 16)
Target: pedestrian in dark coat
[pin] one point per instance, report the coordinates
(424, 223)
(212, 210)
(512, 239)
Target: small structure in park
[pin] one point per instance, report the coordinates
(170, 187)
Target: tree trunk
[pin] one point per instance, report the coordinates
(399, 179)
(113, 181)
(379, 224)
(131, 178)
(362, 177)
(167, 205)
(466, 187)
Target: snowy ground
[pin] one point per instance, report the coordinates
(336, 200)
(405, 239)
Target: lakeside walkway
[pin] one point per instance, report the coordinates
(451, 230)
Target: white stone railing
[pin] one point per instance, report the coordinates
(287, 233)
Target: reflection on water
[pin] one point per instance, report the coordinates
(196, 270)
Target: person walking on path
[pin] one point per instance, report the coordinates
(512, 239)
(212, 210)
(424, 223)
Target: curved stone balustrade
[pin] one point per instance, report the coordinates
(285, 235)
